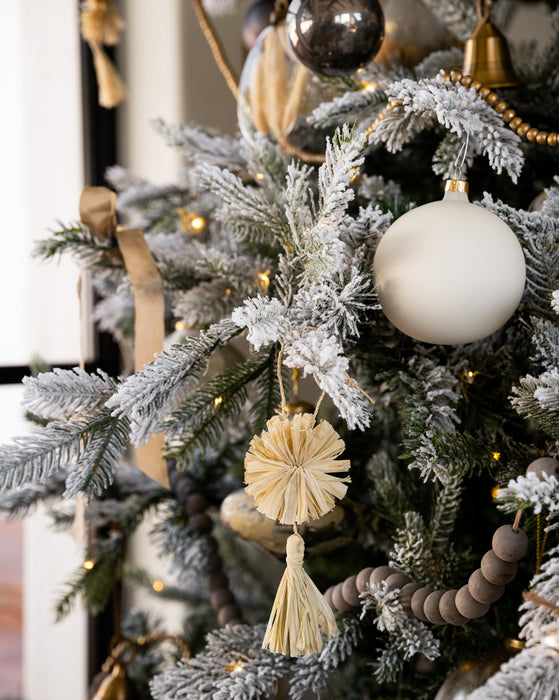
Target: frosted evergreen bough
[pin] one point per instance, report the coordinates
(147, 396)
(407, 635)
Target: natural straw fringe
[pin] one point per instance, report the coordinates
(111, 88)
(299, 611)
(101, 24)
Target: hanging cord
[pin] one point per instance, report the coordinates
(218, 52)
(461, 158)
(280, 382)
(484, 10)
(227, 71)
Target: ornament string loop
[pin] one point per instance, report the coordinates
(461, 158)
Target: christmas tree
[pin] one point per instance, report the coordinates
(347, 353)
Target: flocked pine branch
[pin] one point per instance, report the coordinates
(525, 400)
(147, 396)
(233, 666)
(68, 394)
(312, 674)
(456, 108)
(202, 144)
(198, 420)
(79, 242)
(531, 675)
(406, 635)
(531, 491)
(90, 449)
(431, 408)
(538, 233)
(537, 618)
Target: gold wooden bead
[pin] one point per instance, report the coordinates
(500, 107)
(445, 77)
(492, 98)
(515, 122)
(466, 81)
(523, 128)
(541, 138)
(508, 114)
(484, 92)
(552, 139)
(455, 76)
(477, 85)
(532, 133)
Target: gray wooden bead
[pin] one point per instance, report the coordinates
(497, 570)
(482, 590)
(508, 544)
(328, 597)
(221, 597)
(449, 611)
(338, 599)
(431, 608)
(380, 573)
(363, 579)
(397, 580)
(418, 600)
(468, 606)
(544, 465)
(228, 613)
(350, 593)
(407, 591)
(215, 580)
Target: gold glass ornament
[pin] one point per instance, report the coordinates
(238, 513)
(473, 673)
(486, 53)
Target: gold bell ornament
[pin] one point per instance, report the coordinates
(486, 53)
(292, 471)
(113, 682)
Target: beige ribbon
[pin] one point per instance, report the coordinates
(97, 212)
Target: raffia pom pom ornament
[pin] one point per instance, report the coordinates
(292, 472)
(290, 469)
(449, 272)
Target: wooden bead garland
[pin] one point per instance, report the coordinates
(485, 585)
(221, 599)
(454, 607)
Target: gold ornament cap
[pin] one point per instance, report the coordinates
(456, 186)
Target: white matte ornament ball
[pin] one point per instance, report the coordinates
(449, 272)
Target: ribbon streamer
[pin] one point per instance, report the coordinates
(98, 213)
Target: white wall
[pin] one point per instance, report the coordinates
(40, 181)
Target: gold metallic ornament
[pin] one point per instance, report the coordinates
(238, 513)
(486, 53)
(473, 673)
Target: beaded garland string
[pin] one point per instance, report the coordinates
(455, 606)
(222, 600)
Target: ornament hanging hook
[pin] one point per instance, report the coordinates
(461, 158)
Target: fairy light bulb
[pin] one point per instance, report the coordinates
(190, 221)
(88, 564)
(158, 586)
(264, 279)
(217, 401)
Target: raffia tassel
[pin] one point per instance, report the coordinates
(100, 22)
(111, 88)
(300, 612)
